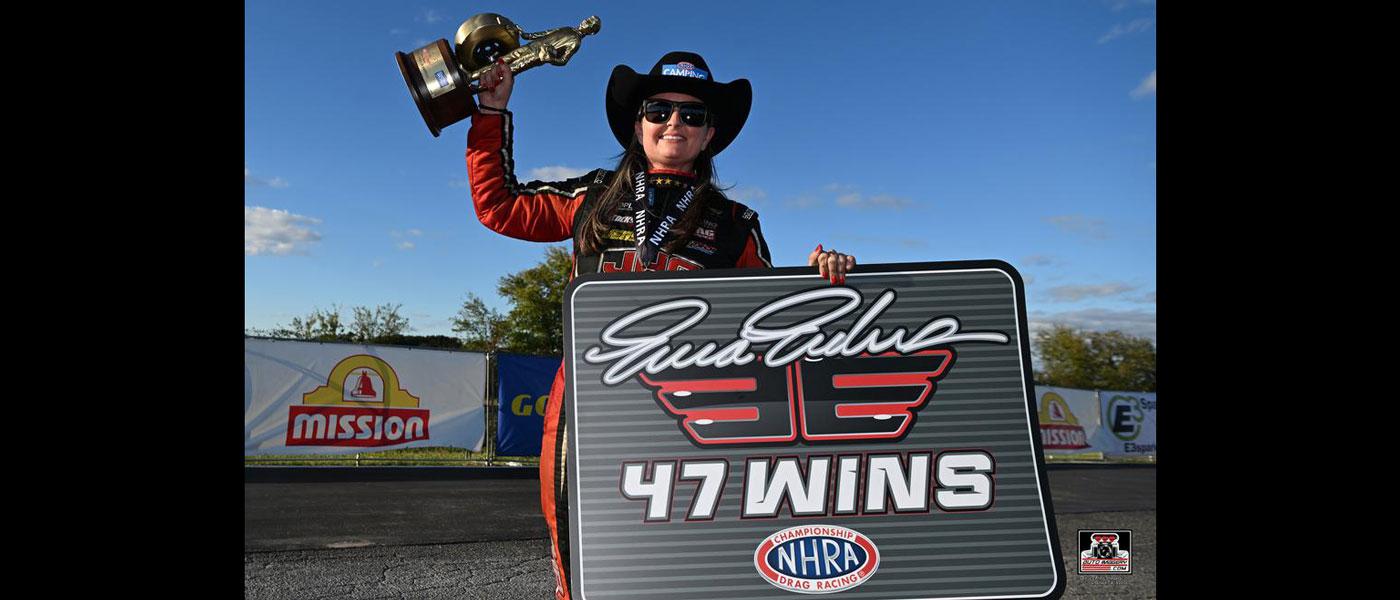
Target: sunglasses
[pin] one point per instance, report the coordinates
(693, 114)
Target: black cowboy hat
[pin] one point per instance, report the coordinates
(684, 73)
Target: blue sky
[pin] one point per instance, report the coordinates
(895, 131)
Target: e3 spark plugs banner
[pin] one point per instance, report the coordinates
(760, 433)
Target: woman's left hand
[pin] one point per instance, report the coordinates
(831, 264)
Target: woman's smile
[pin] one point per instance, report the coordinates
(673, 144)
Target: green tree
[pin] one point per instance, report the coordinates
(384, 321)
(422, 341)
(382, 325)
(483, 329)
(534, 324)
(1107, 360)
(318, 325)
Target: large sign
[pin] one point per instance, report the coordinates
(764, 433)
(327, 398)
(524, 393)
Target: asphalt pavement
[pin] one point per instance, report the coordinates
(446, 532)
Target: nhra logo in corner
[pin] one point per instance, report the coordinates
(362, 404)
(817, 559)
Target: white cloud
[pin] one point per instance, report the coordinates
(1120, 29)
(802, 202)
(888, 201)
(457, 182)
(556, 173)
(1148, 87)
(249, 179)
(415, 232)
(850, 196)
(1149, 298)
(1039, 260)
(429, 15)
(277, 232)
(376, 263)
(1119, 5)
(1138, 323)
(406, 245)
(746, 194)
(1079, 224)
(1074, 293)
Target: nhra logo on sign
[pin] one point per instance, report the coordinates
(816, 559)
(362, 404)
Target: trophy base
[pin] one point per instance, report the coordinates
(444, 99)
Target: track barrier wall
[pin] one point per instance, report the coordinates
(485, 408)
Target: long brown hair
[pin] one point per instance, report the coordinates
(632, 161)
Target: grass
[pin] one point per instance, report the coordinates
(1098, 457)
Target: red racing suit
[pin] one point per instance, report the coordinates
(728, 236)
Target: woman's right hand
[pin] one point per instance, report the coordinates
(496, 87)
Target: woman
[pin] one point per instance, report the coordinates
(660, 209)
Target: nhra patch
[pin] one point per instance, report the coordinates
(1105, 551)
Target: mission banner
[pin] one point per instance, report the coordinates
(331, 398)
(752, 434)
(1069, 420)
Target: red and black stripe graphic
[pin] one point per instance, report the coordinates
(867, 397)
(746, 404)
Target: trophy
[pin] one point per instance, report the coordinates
(443, 81)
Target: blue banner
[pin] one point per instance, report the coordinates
(523, 393)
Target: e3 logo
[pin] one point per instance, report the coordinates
(520, 407)
(868, 397)
(1124, 417)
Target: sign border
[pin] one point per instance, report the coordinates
(1028, 385)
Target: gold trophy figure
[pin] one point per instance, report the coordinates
(555, 46)
(442, 82)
